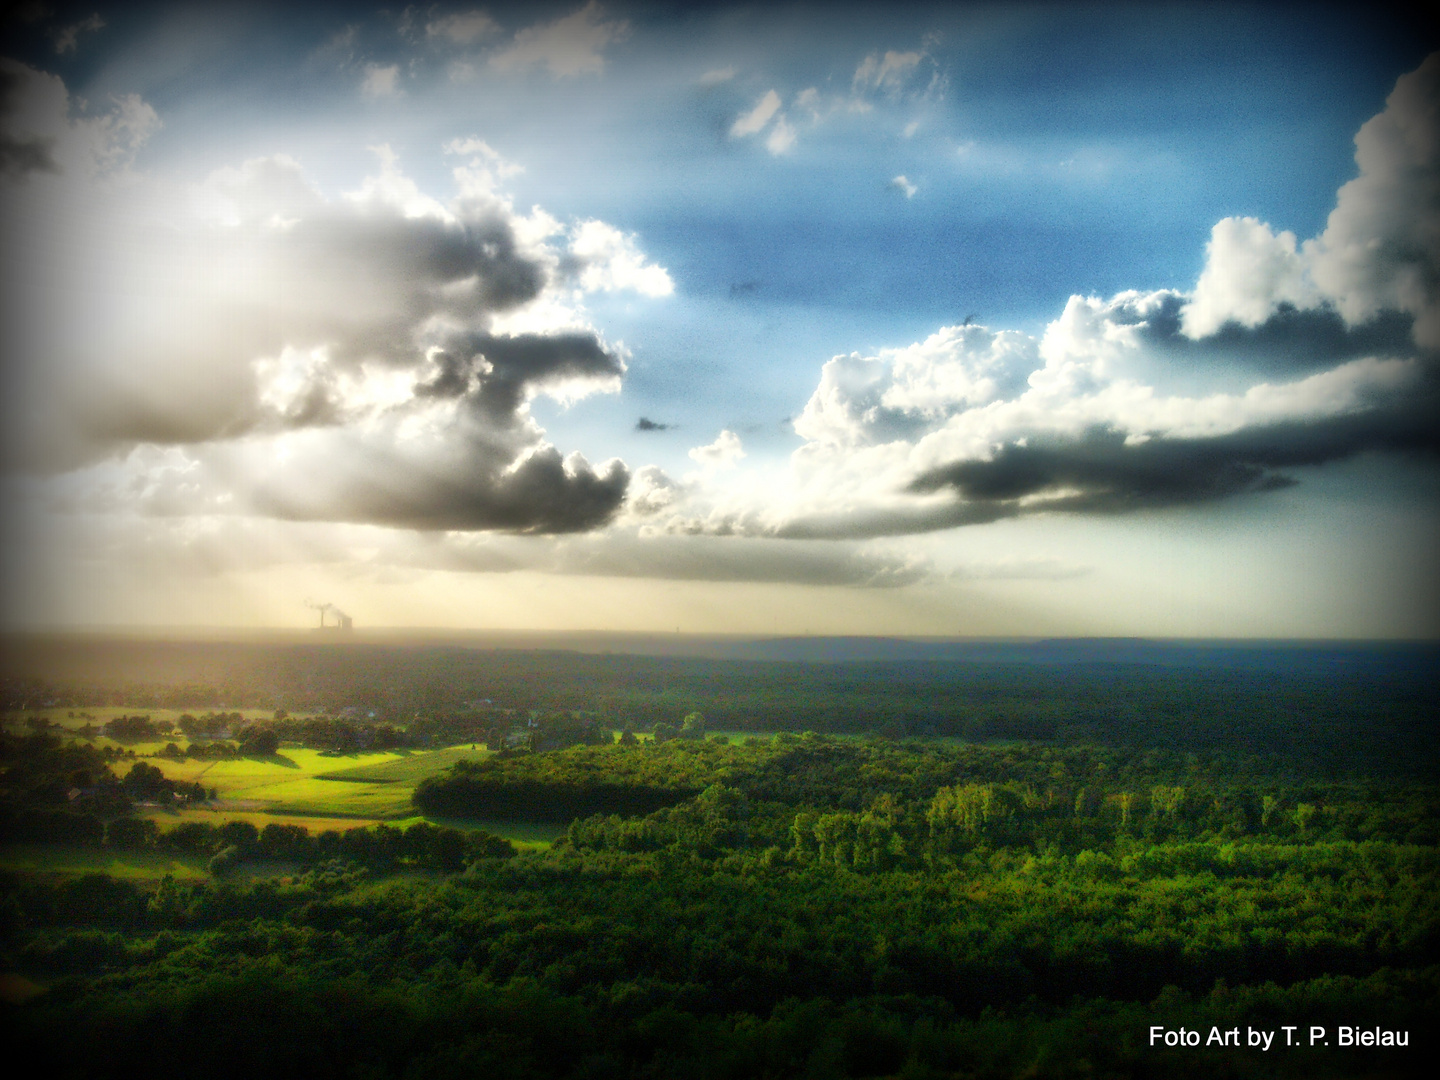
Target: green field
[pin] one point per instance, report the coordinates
(66, 861)
(404, 767)
(321, 790)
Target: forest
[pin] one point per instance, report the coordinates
(880, 886)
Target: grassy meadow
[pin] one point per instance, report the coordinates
(317, 789)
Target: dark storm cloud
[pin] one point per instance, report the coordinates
(1102, 472)
(1109, 469)
(19, 153)
(1290, 341)
(541, 493)
(498, 373)
(21, 156)
(393, 268)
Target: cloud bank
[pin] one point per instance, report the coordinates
(254, 357)
(1285, 355)
(369, 357)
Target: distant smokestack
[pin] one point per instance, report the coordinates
(322, 608)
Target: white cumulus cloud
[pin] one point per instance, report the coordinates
(610, 260)
(1380, 250)
(723, 453)
(903, 185)
(754, 121)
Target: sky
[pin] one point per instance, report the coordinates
(956, 319)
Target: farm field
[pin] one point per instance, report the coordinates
(58, 860)
(288, 782)
(293, 781)
(401, 767)
(319, 791)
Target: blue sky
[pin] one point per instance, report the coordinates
(1106, 343)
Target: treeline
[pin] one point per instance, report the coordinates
(508, 730)
(380, 848)
(50, 779)
(340, 734)
(1349, 719)
(490, 794)
(1070, 797)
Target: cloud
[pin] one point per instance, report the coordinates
(665, 557)
(366, 358)
(716, 76)
(606, 260)
(569, 47)
(918, 440)
(646, 424)
(462, 28)
(888, 73)
(730, 560)
(485, 168)
(1285, 356)
(1107, 471)
(67, 37)
(754, 121)
(1381, 246)
(1380, 251)
(1249, 272)
(782, 133)
(781, 137)
(1118, 407)
(174, 550)
(723, 453)
(1289, 341)
(38, 132)
(889, 77)
(904, 186)
(468, 482)
(381, 80)
(899, 394)
(27, 135)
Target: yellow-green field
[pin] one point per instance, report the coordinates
(294, 782)
(404, 767)
(314, 823)
(65, 861)
(316, 789)
(321, 790)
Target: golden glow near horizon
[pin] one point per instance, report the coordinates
(1167, 578)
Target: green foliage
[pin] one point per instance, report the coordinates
(260, 742)
(795, 906)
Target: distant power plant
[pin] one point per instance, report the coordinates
(342, 621)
